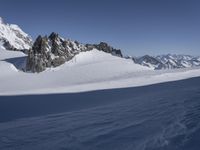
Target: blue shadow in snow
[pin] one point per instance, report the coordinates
(15, 107)
(18, 62)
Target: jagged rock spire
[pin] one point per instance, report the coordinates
(51, 51)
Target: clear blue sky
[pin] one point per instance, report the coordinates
(136, 26)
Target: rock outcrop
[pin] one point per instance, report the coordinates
(51, 51)
(108, 49)
(54, 51)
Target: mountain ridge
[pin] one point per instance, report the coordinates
(53, 51)
(168, 61)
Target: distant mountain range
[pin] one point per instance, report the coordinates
(168, 61)
(53, 50)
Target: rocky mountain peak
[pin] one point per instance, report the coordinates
(53, 36)
(108, 49)
(53, 50)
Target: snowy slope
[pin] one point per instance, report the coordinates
(85, 69)
(12, 36)
(91, 70)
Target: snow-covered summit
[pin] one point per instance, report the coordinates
(12, 37)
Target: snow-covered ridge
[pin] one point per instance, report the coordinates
(13, 37)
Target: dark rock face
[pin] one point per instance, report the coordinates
(51, 51)
(38, 57)
(54, 51)
(104, 47)
(108, 49)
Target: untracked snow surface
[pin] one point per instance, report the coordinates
(157, 117)
(91, 70)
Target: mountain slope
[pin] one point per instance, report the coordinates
(13, 38)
